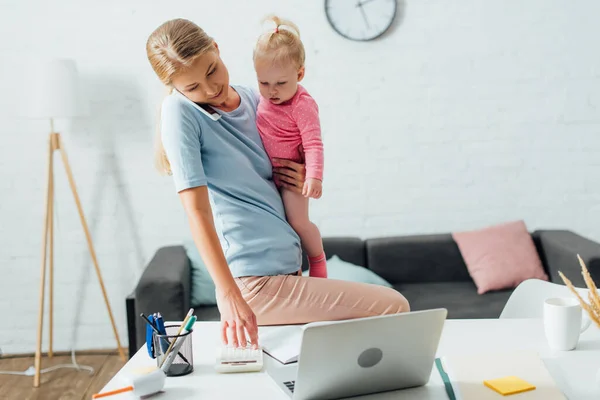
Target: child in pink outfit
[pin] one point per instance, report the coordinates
(288, 122)
(291, 130)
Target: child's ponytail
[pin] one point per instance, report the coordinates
(283, 25)
(280, 42)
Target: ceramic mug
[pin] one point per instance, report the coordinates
(563, 322)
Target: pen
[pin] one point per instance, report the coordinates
(160, 325)
(160, 334)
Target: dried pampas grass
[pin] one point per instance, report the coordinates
(593, 308)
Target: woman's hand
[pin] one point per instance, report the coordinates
(291, 175)
(237, 319)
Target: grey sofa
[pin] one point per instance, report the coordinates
(427, 269)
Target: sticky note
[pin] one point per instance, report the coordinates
(509, 385)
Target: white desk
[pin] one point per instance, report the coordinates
(574, 371)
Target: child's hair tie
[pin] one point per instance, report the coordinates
(271, 27)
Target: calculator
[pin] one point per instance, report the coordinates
(238, 359)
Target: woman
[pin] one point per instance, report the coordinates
(211, 146)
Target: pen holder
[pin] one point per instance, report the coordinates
(179, 360)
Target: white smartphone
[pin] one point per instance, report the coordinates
(208, 111)
(205, 109)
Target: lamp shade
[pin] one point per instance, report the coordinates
(55, 90)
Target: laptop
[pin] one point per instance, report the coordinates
(363, 356)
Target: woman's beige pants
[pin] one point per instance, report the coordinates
(295, 299)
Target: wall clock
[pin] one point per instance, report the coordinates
(360, 20)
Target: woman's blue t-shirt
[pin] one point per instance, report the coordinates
(228, 156)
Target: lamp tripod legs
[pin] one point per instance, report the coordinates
(48, 241)
(38, 351)
(88, 237)
(51, 253)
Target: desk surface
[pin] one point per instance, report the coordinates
(574, 371)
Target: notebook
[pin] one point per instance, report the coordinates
(282, 342)
(464, 376)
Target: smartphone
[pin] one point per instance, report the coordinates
(208, 111)
(205, 108)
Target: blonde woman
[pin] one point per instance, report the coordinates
(210, 144)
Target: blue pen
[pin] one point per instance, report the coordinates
(160, 325)
(149, 335)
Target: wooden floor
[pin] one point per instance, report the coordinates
(63, 383)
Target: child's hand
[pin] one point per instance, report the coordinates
(312, 188)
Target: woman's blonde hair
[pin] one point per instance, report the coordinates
(172, 48)
(281, 43)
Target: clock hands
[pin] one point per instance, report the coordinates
(344, 17)
(362, 3)
(362, 11)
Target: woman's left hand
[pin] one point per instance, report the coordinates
(291, 175)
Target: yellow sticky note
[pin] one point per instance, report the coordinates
(509, 385)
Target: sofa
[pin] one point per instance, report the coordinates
(427, 269)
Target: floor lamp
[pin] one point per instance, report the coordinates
(57, 96)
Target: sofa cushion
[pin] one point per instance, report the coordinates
(459, 298)
(350, 249)
(500, 256)
(345, 271)
(414, 259)
(202, 287)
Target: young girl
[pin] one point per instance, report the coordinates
(288, 122)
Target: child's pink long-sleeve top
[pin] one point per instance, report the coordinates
(291, 130)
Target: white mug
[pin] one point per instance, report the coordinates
(563, 322)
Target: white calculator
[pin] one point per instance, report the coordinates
(230, 359)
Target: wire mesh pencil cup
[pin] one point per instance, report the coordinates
(174, 364)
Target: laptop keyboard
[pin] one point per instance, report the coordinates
(290, 385)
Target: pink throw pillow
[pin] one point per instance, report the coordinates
(500, 256)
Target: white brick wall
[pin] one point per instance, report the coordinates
(468, 114)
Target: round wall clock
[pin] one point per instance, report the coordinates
(360, 20)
